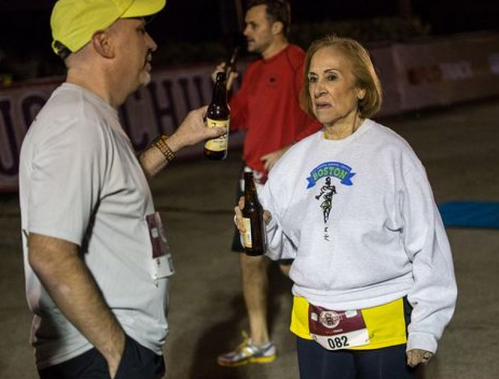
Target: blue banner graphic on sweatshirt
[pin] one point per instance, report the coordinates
(333, 169)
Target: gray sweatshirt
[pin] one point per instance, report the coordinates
(359, 218)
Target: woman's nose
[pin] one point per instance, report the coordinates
(319, 89)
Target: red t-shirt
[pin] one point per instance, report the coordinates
(267, 106)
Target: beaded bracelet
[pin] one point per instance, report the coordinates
(161, 144)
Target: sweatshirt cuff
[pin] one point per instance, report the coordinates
(271, 229)
(271, 226)
(423, 341)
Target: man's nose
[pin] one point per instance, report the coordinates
(151, 43)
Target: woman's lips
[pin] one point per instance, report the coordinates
(322, 105)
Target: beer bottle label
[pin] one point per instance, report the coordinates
(219, 143)
(248, 243)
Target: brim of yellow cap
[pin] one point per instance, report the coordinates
(142, 8)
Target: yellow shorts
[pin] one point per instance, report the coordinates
(385, 323)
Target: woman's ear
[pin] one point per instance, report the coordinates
(361, 93)
(102, 44)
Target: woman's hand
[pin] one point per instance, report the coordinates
(417, 356)
(238, 218)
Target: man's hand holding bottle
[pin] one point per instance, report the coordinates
(229, 68)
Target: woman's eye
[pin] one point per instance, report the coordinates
(332, 78)
(312, 79)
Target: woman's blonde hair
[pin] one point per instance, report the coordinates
(362, 68)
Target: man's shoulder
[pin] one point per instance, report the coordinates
(67, 114)
(59, 109)
(66, 100)
(296, 51)
(295, 56)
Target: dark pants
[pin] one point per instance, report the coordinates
(137, 362)
(315, 362)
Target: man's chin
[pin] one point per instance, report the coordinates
(144, 81)
(250, 47)
(147, 79)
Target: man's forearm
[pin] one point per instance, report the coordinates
(152, 161)
(192, 131)
(73, 289)
(159, 154)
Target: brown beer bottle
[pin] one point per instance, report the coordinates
(254, 238)
(230, 65)
(218, 114)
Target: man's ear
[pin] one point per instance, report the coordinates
(277, 28)
(102, 44)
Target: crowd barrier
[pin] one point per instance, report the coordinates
(438, 72)
(415, 75)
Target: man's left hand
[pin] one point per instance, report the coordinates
(269, 160)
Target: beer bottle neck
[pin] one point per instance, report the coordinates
(231, 64)
(249, 188)
(219, 94)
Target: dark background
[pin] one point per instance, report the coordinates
(25, 30)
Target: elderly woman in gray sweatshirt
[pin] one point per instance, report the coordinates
(374, 283)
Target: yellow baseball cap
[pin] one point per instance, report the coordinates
(74, 22)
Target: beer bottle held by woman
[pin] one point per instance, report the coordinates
(218, 114)
(254, 237)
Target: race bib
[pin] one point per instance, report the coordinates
(161, 260)
(335, 330)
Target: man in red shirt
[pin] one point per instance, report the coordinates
(267, 107)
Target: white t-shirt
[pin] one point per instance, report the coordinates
(80, 181)
(359, 218)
